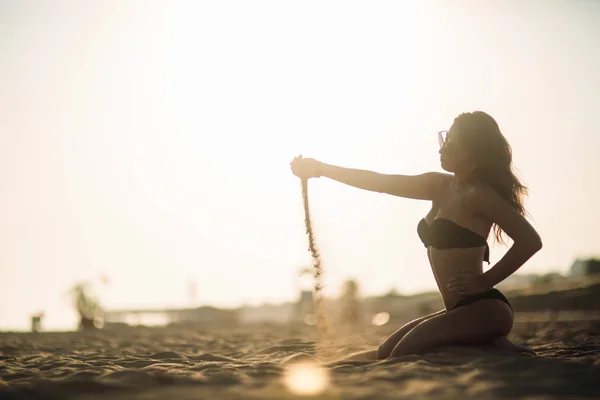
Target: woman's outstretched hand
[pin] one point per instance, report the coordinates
(306, 168)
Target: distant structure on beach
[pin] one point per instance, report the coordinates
(279, 314)
(300, 311)
(349, 309)
(585, 267)
(36, 322)
(304, 311)
(208, 316)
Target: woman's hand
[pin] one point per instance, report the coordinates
(468, 283)
(306, 168)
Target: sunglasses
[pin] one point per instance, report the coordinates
(442, 138)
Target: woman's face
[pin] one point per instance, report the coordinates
(453, 155)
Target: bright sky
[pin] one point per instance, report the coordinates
(150, 141)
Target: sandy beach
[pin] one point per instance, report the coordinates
(259, 362)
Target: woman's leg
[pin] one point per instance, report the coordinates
(385, 350)
(476, 323)
(387, 346)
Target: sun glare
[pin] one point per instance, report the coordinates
(381, 318)
(306, 379)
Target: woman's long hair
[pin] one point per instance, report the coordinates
(481, 136)
(322, 324)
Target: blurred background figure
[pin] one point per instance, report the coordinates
(87, 306)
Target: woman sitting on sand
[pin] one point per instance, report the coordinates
(481, 193)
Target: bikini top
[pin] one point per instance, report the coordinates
(446, 234)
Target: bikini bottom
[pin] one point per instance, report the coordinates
(489, 294)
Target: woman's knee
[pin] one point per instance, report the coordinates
(387, 347)
(388, 344)
(405, 347)
(383, 351)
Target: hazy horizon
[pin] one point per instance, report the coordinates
(150, 142)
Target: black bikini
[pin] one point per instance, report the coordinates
(446, 234)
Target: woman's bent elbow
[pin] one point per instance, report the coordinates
(536, 244)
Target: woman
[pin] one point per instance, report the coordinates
(480, 194)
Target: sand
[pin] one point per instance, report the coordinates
(185, 363)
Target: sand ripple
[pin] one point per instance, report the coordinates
(179, 364)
